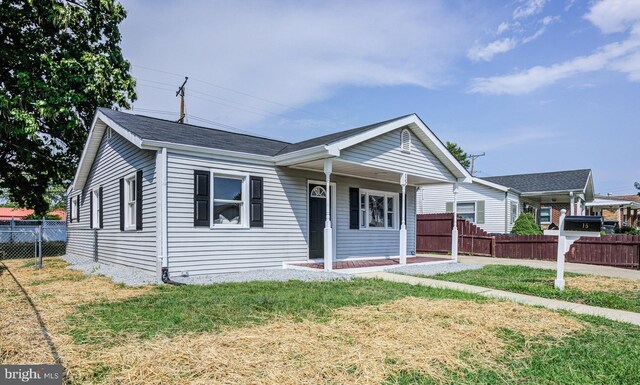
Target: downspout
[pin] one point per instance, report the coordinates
(162, 244)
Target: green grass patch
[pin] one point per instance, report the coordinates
(171, 310)
(605, 352)
(539, 282)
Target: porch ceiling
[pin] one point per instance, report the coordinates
(341, 167)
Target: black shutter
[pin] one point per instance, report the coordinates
(139, 200)
(100, 223)
(201, 188)
(354, 208)
(256, 201)
(78, 206)
(91, 209)
(121, 204)
(70, 210)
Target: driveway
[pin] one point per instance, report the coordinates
(605, 271)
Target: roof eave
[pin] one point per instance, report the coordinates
(187, 148)
(89, 152)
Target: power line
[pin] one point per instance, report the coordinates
(288, 106)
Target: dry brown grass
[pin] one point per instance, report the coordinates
(591, 283)
(356, 345)
(55, 291)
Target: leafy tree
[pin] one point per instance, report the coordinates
(637, 186)
(459, 154)
(59, 60)
(526, 225)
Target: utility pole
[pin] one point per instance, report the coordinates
(180, 92)
(473, 158)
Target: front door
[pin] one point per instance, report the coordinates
(317, 216)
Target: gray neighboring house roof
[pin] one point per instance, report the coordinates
(150, 128)
(572, 180)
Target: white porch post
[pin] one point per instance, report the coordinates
(572, 203)
(454, 232)
(403, 227)
(328, 232)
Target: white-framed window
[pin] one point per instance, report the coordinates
(467, 210)
(131, 200)
(74, 208)
(513, 206)
(95, 214)
(405, 140)
(545, 215)
(230, 194)
(378, 210)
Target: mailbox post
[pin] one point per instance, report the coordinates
(571, 229)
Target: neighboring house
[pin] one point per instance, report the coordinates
(494, 203)
(8, 213)
(621, 208)
(192, 200)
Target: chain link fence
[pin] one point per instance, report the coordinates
(32, 239)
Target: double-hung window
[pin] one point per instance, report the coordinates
(131, 200)
(467, 211)
(378, 209)
(95, 215)
(230, 192)
(74, 208)
(514, 212)
(545, 215)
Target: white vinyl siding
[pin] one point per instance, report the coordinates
(117, 158)
(385, 152)
(202, 250)
(371, 243)
(432, 199)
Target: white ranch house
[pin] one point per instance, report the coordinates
(494, 203)
(181, 199)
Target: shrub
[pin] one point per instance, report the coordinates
(526, 225)
(628, 230)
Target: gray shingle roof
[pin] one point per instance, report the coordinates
(149, 128)
(544, 181)
(331, 138)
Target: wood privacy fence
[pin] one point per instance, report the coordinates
(434, 235)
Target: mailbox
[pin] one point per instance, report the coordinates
(589, 224)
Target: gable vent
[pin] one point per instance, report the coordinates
(405, 140)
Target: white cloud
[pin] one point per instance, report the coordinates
(539, 76)
(624, 56)
(294, 53)
(614, 15)
(487, 52)
(529, 8)
(503, 27)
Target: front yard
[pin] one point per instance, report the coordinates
(613, 293)
(346, 332)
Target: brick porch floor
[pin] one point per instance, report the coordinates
(360, 263)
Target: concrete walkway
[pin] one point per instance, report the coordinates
(605, 271)
(612, 314)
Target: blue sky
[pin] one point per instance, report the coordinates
(537, 85)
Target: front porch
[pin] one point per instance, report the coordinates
(368, 264)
